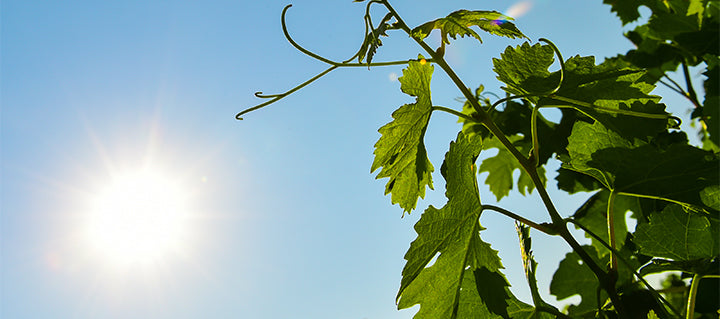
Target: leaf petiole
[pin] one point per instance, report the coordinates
(456, 113)
(624, 261)
(545, 228)
(609, 110)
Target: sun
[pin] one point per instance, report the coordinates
(139, 218)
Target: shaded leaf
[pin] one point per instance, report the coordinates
(677, 173)
(574, 182)
(401, 151)
(679, 235)
(572, 278)
(500, 168)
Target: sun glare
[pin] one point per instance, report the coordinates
(139, 218)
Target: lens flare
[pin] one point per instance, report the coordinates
(519, 9)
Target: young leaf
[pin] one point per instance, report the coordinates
(372, 39)
(679, 235)
(459, 22)
(454, 232)
(400, 151)
(529, 263)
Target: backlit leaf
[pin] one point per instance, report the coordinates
(612, 94)
(372, 39)
(459, 22)
(454, 232)
(524, 69)
(401, 151)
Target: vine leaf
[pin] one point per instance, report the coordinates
(627, 10)
(500, 168)
(710, 196)
(449, 286)
(679, 235)
(617, 96)
(525, 69)
(400, 151)
(677, 172)
(574, 278)
(610, 93)
(372, 39)
(459, 22)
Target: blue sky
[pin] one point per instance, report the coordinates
(285, 219)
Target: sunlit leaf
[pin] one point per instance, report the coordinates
(459, 22)
(401, 151)
(524, 69)
(454, 232)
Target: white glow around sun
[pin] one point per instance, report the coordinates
(139, 218)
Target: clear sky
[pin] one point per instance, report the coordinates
(281, 216)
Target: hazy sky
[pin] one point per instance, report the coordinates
(282, 216)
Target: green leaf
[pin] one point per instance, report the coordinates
(525, 69)
(500, 168)
(573, 277)
(454, 232)
(472, 305)
(585, 140)
(574, 182)
(710, 196)
(459, 22)
(617, 96)
(677, 173)
(679, 235)
(627, 10)
(400, 151)
(372, 39)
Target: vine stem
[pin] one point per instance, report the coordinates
(541, 227)
(691, 95)
(611, 231)
(690, 311)
(525, 162)
(453, 112)
(652, 290)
